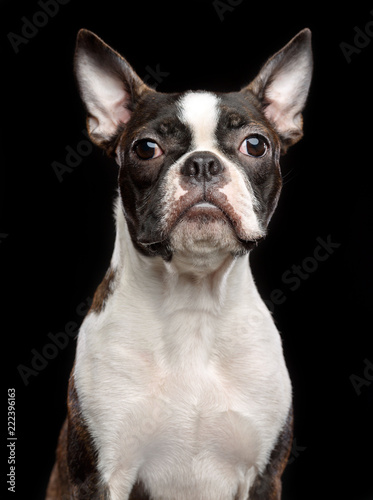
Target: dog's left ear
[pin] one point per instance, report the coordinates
(282, 87)
(108, 85)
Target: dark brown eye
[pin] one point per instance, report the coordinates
(146, 149)
(254, 145)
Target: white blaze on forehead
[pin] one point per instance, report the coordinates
(200, 112)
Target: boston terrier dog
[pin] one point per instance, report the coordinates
(179, 389)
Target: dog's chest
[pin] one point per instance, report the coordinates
(197, 412)
(196, 431)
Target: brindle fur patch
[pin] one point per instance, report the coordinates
(75, 475)
(268, 485)
(104, 290)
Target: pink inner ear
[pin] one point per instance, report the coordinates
(111, 112)
(277, 115)
(106, 100)
(284, 118)
(108, 117)
(286, 97)
(121, 113)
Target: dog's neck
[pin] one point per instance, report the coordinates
(186, 303)
(201, 274)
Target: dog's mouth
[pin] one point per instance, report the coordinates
(202, 212)
(198, 218)
(206, 212)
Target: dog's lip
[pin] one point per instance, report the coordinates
(204, 204)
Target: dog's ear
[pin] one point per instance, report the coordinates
(282, 87)
(108, 85)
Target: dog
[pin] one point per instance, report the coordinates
(179, 389)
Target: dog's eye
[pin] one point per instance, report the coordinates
(254, 145)
(146, 149)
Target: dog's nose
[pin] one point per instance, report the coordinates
(202, 166)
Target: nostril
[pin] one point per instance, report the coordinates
(193, 169)
(214, 168)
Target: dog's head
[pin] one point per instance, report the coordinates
(199, 171)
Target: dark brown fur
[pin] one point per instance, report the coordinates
(75, 475)
(103, 291)
(268, 485)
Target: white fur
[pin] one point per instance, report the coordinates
(181, 377)
(200, 111)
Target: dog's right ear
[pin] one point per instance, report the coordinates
(108, 85)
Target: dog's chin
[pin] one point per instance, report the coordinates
(203, 232)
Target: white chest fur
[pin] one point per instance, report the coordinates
(182, 382)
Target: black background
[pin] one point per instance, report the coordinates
(57, 237)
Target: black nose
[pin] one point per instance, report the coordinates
(202, 166)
